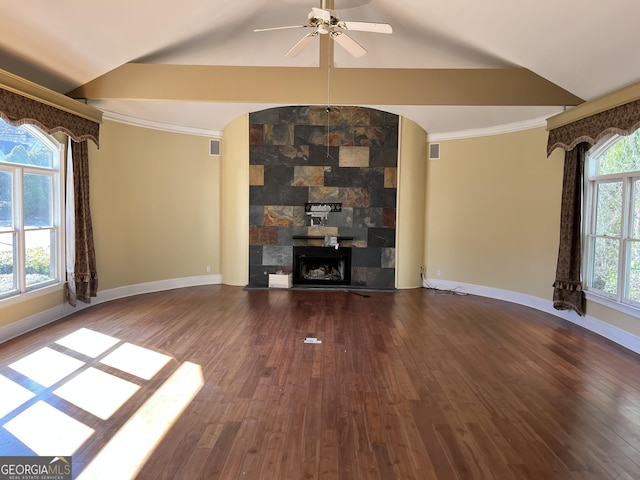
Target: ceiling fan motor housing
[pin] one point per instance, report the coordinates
(326, 23)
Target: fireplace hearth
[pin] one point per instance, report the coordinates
(321, 266)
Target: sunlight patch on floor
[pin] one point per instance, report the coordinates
(46, 366)
(127, 451)
(138, 361)
(88, 342)
(48, 431)
(12, 396)
(97, 392)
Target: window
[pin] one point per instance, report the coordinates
(612, 220)
(30, 220)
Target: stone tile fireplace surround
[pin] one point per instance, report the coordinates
(347, 156)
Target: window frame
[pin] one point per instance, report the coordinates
(619, 300)
(57, 248)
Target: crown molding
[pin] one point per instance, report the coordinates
(165, 127)
(486, 132)
(431, 138)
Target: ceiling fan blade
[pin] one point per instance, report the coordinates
(298, 47)
(366, 27)
(279, 28)
(349, 44)
(322, 14)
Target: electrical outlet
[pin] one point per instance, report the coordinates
(438, 273)
(208, 268)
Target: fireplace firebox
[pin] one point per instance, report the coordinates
(321, 266)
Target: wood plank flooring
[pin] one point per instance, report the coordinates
(413, 384)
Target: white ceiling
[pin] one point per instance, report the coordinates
(586, 48)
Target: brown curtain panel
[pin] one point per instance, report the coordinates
(84, 281)
(567, 293)
(576, 138)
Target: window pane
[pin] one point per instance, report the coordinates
(7, 262)
(608, 208)
(38, 261)
(29, 185)
(605, 265)
(21, 147)
(633, 286)
(635, 219)
(6, 200)
(622, 156)
(37, 200)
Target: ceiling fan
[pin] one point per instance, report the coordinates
(326, 22)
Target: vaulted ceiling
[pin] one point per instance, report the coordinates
(453, 67)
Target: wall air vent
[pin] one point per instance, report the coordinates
(434, 151)
(214, 148)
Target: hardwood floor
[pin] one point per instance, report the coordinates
(407, 385)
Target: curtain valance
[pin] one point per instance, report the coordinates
(17, 109)
(623, 119)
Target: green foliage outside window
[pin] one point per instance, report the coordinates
(38, 267)
(634, 273)
(608, 222)
(622, 156)
(6, 263)
(20, 147)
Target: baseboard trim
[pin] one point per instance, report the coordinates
(40, 319)
(608, 331)
(150, 287)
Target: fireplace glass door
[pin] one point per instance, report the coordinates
(321, 266)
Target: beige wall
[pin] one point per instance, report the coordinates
(155, 206)
(234, 238)
(410, 228)
(18, 311)
(493, 206)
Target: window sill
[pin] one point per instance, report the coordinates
(31, 294)
(607, 302)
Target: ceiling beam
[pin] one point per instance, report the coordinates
(309, 86)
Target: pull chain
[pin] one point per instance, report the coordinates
(329, 53)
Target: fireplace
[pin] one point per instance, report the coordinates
(321, 266)
(306, 183)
